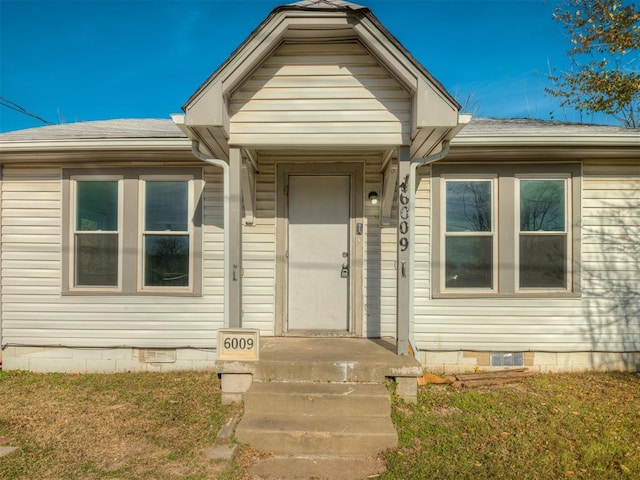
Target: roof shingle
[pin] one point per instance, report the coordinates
(164, 128)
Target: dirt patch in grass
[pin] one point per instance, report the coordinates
(133, 425)
(584, 426)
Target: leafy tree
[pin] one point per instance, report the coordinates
(605, 62)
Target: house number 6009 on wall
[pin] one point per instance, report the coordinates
(403, 226)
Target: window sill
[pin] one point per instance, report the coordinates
(508, 296)
(111, 293)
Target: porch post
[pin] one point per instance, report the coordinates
(403, 285)
(235, 238)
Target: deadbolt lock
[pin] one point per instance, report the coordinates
(344, 273)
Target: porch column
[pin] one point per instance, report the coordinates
(403, 285)
(235, 238)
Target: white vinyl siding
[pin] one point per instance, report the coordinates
(611, 255)
(259, 254)
(310, 94)
(601, 319)
(259, 257)
(35, 312)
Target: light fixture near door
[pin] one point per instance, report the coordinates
(373, 198)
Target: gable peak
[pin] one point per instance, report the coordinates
(326, 4)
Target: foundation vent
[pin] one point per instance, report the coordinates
(507, 359)
(157, 355)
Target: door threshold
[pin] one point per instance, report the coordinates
(318, 333)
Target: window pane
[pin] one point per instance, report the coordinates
(543, 261)
(97, 205)
(469, 262)
(166, 206)
(166, 260)
(96, 259)
(542, 205)
(469, 206)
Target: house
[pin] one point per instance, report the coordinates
(321, 183)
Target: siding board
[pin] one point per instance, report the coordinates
(35, 312)
(596, 320)
(325, 94)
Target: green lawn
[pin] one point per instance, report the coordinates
(546, 427)
(142, 426)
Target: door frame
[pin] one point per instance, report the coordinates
(355, 171)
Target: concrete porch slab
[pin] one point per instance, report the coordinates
(311, 359)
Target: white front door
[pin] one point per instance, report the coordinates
(318, 253)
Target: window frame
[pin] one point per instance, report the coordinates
(73, 231)
(566, 232)
(142, 231)
(129, 250)
(507, 225)
(444, 234)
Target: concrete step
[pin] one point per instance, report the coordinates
(316, 467)
(290, 434)
(322, 419)
(307, 399)
(317, 371)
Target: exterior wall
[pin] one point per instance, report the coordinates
(320, 94)
(106, 360)
(596, 330)
(543, 362)
(259, 247)
(37, 314)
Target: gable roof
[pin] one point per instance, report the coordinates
(326, 5)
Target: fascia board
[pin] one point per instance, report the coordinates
(211, 97)
(387, 53)
(386, 38)
(257, 51)
(96, 144)
(549, 141)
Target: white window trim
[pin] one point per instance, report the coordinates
(493, 233)
(568, 209)
(142, 182)
(72, 232)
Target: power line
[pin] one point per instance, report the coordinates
(5, 102)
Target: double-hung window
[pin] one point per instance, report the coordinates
(543, 234)
(165, 240)
(469, 243)
(97, 232)
(505, 229)
(132, 230)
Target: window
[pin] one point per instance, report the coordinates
(543, 233)
(505, 229)
(166, 232)
(96, 232)
(135, 232)
(469, 234)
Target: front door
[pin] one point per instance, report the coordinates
(318, 266)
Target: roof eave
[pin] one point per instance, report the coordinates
(549, 140)
(95, 144)
(552, 148)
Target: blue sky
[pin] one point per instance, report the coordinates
(81, 60)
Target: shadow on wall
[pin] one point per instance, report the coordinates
(611, 281)
(373, 280)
